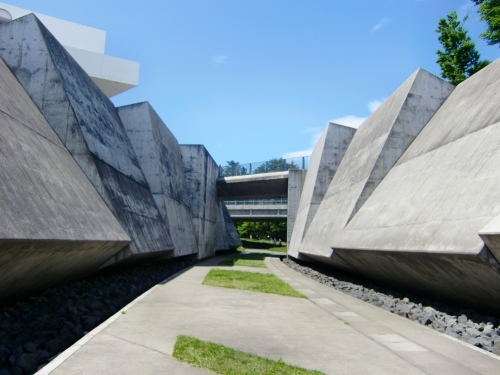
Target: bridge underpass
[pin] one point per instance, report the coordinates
(286, 184)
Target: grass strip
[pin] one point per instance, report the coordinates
(246, 260)
(227, 361)
(256, 282)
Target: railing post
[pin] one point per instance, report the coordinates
(250, 168)
(267, 166)
(303, 162)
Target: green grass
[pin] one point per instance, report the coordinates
(246, 260)
(256, 282)
(278, 249)
(226, 361)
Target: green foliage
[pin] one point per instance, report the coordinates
(246, 260)
(256, 282)
(460, 59)
(262, 229)
(233, 168)
(489, 11)
(275, 165)
(226, 361)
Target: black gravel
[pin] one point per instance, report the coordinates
(464, 324)
(36, 329)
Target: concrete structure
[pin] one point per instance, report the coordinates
(227, 236)
(296, 179)
(253, 186)
(421, 227)
(54, 227)
(86, 45)
(160, 159)
(260, 212)
(88, 125)
(325, 160)
(376, 147)
(201, 172)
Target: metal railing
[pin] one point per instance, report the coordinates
(274, 165)
(258, 202)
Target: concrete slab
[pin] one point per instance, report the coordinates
(200, 173)
(87, 124)
(376, 147)
(419, 229)
(54, 227)
(253, 186)
(160, 158)
(325, 159)
(296, 180)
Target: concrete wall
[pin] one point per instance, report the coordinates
(54, 227)
(296, 179)
(160, 159)
(376, 147)
(87, 124)
(325, 160)
(201, 172)
(427, 213)
(233, 238)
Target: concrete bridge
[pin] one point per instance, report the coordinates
(253, 186)
(258, 210)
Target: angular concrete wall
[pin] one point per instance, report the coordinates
(201, 172)
(87, 124)
(54, 227)
(160, 159)
(232, 236)
(325, 159)
(420, 227)
(376, 147)
(296, 179)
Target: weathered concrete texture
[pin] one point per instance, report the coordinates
(296, 179)
(233, 238)
(429, 209)
(253, 186)
(222, 239)
(376, 147)
(53, 225)
(160, 159)
(87, 124)
(200, 173)
(325, 160)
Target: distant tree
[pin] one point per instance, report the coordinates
(232, 168)
(275, 165)
(460, 59)
(262, 229)
(489, 11)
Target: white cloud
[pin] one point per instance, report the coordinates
(297, 154)
(374, 104)
(350, 120)
(380, 24)
(219, 60)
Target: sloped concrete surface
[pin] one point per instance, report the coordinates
(330, 331)
(376, 147)
(87, 124)
(53, 225)
(436, 201)
(296, 181)
(325, 159)
(200, 173)
(160, 159)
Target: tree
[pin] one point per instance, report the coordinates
(232, 168)
(460, 59)
(275, 165)
(489, 11)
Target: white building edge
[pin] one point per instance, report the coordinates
(86, 44)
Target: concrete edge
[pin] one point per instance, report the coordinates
(494, 356)
(63, 356)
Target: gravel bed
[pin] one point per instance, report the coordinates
(464, 324)
(36, 329)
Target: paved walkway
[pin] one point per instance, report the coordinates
(330, 331)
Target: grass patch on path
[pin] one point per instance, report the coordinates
(256, 282)
(227, 361)
(246, 260)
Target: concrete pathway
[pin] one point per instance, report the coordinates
(330, 331)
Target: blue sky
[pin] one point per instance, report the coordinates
(254, 79)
